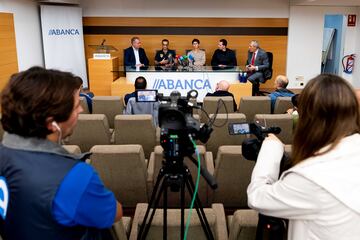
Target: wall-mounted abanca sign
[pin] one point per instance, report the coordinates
(71, 31)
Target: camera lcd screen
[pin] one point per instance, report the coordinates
(146, 95)
(239, 128)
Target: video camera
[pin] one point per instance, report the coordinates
(251, 146)
(178, 126)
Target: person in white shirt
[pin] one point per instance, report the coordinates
(320, 193)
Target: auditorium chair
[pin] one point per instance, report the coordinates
(108, 105)
(210, 104)
(242, 225)
(84, 105)
(214, 215)
(91, 129)
(282, 104)
(135, 129)
(220, 135)
(233, 174)
(253, 105)
(206, 161)
(284, 121)
(123, 170)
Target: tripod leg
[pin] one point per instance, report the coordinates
(165, 212)
(199, 209)
(182, 207)
(155, 197)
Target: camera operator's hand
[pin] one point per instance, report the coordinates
(272, 137)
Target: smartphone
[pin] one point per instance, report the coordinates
(239, 128)
(146, 95)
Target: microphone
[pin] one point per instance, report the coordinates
(102, 43)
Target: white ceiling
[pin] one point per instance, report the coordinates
(326, 2)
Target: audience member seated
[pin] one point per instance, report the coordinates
(140, 84)
(165, 57)
(197, 55)
(87, 95)
(222, 89)
(294, 110)
(46, 192)
(280, 85)
(223, 57)
(319, 194)
(257, 64)
(134, 107)
(135, 56)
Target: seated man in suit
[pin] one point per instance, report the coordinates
(135, 56)
(280, 85)
(257, 64)
(222, 90)
(223, 57)
(165, 57)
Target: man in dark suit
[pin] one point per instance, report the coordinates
(135, 56)
(222, 90)
(257, 64)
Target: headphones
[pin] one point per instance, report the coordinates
(56, 126)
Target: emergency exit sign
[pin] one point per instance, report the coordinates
(351, 20)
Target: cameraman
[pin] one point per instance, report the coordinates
(320, 193)
(47, 193)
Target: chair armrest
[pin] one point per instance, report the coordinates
(150, 173)
(221, 232)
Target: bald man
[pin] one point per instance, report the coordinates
(222, 90)
(280, 85)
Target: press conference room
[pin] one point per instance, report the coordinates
(166, 147)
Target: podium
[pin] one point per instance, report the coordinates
(102, 72)
(103, 51)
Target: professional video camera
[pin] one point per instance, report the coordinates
(179, 130)
(251, 146)
(269, 228)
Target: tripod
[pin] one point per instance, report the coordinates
(174, 174)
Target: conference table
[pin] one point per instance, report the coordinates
(183, 79)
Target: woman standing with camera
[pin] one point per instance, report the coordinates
(320, 193)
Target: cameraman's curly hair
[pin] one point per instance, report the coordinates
(33, 96)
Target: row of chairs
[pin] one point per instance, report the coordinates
(94, 129)
(124, 170)
(114, 105)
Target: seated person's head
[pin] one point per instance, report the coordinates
(222, 86)
(35, 100)
(140, 83)
(253, 46)
(196, 43)
(295, 100)
(222, 44)
(165, 44)
(281, 81)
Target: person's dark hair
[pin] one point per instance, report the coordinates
(328, 111)
(33, 96)
(224, 42)
(165, 40)
(195, 40)
(140, 83)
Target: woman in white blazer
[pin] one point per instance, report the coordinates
(320, 193)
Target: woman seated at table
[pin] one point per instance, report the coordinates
(197, 56)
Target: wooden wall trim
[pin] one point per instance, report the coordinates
(8, 60)
(185, 22)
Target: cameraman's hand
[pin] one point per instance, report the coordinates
(272, 137)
